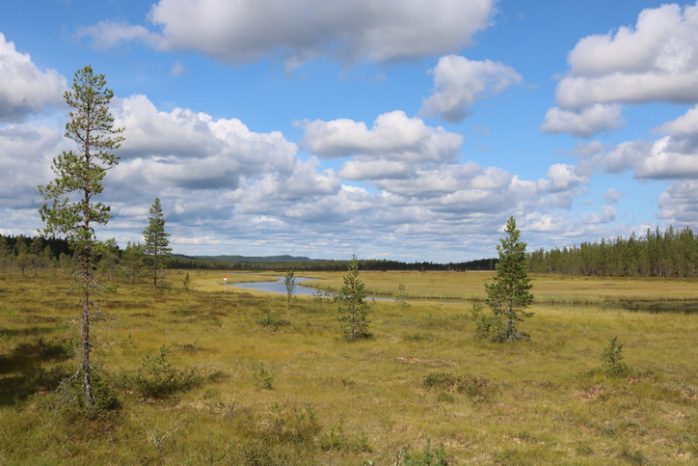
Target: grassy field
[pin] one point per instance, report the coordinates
(258, 384)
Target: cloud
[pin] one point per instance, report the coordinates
(228, 189)
(25, 154)
(612, 196)
(300, 30)
(679, 203)
(656, 60)
(193, 150)
(374, 169)
(607, 215)
(683, 131)
(652, 160)
(585, 122)
(24, 88)
(393, 135)
(563, 177)
(458, 82)
(108, 34)
(177, 69)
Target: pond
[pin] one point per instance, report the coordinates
(279, 287)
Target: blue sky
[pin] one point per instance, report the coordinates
(399, 129)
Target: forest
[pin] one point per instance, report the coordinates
(656, 254)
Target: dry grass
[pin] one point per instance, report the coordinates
(543, 401)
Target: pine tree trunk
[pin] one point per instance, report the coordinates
(510, 326)
(86, 347)
(155, 270)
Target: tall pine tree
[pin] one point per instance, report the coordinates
(157, 244)
(508, 294)
(71, 208)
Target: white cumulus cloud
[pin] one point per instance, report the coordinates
(393, 135)
(656, 60)
(300, 30)
(24, 88)
(585, 122)
(459, 82)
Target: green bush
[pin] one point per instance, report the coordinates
(71, 394)
(491, 327)
(612, 358)
(157, 378)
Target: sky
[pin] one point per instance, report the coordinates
(399, 129)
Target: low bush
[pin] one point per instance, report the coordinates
(157, 378)
(490, 327)
(612, 358)
(477, 388)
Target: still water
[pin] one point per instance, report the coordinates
(278, 286)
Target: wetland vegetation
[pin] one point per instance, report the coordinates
(215, 375)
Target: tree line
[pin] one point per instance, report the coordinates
(670, 253)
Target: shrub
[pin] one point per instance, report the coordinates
(426, 457)
(477, 388)
(264, 377)
(612, 358)
(491, 327)
(338, 439)
(71, 395)
(157, 378)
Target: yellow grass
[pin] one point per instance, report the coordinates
(545, 401)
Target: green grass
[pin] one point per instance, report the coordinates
(298, 393)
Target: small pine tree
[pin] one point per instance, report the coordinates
(401, 295)
(508, 294)
(352, 304)
(23, 256)
(612, 358)
(290, 283)
(156, 241)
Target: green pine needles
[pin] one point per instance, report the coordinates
(352, 304)
(508, 295)
(157, 244)
(71, 209)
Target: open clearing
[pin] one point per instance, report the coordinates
(278, 386)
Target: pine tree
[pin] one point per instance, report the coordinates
(290, 284)
(352, 304)
(71, 208)
(156, 242)
(508, 293)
